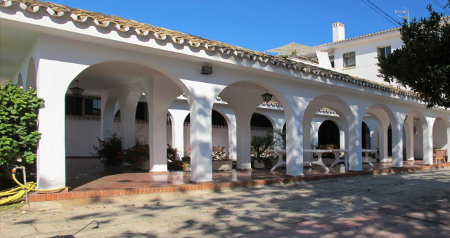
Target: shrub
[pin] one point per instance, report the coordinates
(110, 150)
(137, 154)
(19, 136)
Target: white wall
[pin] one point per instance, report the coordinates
(366, 55)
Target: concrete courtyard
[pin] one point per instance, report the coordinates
(402, 205)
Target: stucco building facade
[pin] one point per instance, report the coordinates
(54, 48)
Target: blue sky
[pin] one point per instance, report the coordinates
(260, 24)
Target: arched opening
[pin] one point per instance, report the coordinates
(116, 99)
(441, 135)
(31, 74)
(249, 123)
(329, 134)
(260, 124)
(334, 109)
(20, 80)
(384, 118)
(365, 132)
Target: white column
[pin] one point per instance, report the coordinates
(160, 93)
(201, 101)
(53, 79)
(243, 134)
(428, 140)
(355, 138)
(232, 130)
(243, 110)
(109, 101)
(232, 136)
(397, 139)
(409, 138)
(294, 113)
(128, 102)
(178, 117)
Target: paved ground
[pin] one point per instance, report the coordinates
(407, 205)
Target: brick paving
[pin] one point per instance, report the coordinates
(145, 183)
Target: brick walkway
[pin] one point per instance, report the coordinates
(144, 183)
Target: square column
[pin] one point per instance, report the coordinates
(294, 113)
(54, 78)
(397, 139)
(128, 103)
(428, 140)
(201, 101)
(355, 139)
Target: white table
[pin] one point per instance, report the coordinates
(366, 157)
(280, 161)
(337, 157)
(319, 157)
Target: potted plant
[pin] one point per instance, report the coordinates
(220, 159)
(259, 145)
(186, 166)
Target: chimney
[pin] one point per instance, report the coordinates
(338, 31)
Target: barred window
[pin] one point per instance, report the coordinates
(93, 106)
(74, 105)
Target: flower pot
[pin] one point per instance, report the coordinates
(258, 164)
(222, 165)
(187, 169)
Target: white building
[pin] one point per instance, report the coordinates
(54, 48)
(356, 56)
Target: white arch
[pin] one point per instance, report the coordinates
(441, 134)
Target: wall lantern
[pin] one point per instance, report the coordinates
(266, 97)
(206, 69)
(76, 91)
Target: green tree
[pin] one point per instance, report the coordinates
(423, 62)
(18, 126)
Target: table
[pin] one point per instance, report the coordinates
(337, 157)
(366, 157)
(319, 157)
(280, 161)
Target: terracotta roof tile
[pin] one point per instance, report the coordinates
(142, 29)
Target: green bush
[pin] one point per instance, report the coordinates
(110, 150)
(137, 154)
(19, 136)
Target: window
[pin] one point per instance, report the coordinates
(349, 59)
(81, 106)
(141, 111)
(74, 105)
(331, 57)
(92, 106)
(384, 51)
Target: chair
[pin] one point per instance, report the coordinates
(440, 156)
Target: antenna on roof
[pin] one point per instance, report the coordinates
(403, 14)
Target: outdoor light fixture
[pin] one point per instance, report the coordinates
(266, 96)
(206, 69)
(76, 91)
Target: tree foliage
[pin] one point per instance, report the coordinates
(423, 62)
(261, 143)
(18, 125)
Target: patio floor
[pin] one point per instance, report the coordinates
(177, 181)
